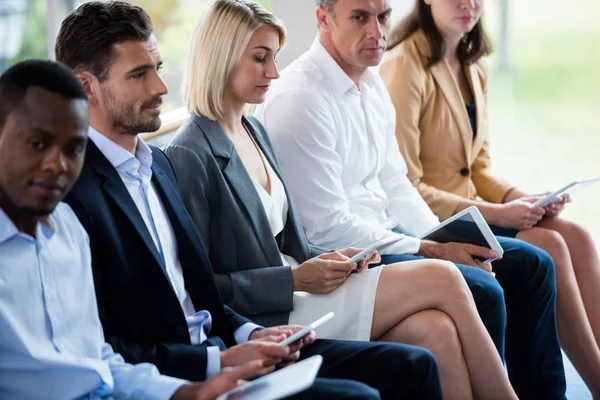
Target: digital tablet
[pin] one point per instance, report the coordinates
(367, 253)
(468, 226)
(569, 189)
(281, 383)
(306, 330)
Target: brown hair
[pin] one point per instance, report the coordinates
(86, 37)
(473, 45)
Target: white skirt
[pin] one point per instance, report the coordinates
(353, 304)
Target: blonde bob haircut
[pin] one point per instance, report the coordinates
(217, 43)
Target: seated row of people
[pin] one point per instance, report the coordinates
(332, 126)
(340, 178)
(153, 297)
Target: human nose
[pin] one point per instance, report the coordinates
(272, 71)
(376, 29)
(55, 162)
(467, 4)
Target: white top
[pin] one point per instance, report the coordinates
(136, 174)
(338, 153)
(275, 204)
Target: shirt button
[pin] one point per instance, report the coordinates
(464, 172)
(49, 297)
(180, 331)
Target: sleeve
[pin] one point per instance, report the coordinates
(241, 290)
(303, 132)
(179, 360)
(403, 78)
(489, 186)
(140, 380)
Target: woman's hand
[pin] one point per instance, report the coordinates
(322, 274)
(520, 214)
(363, 264)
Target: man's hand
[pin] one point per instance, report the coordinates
(362, 264)
(458, 253)
(322, 274)
(519, 214)
(224, 381)
(267, 350)
(279, 333)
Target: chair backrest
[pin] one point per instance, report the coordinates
(171, 121)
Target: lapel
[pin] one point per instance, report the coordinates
(236, 175)
(184, 231)
(292, 221)
(443, 76)
(114, 188)
(475, 84)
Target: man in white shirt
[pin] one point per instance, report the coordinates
(156, 291)
(51, 340)
(331, 122)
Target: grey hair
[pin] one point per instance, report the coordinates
(326, 4)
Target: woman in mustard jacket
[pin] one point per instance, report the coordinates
(437, 78)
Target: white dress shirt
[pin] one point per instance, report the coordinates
(336, 148)
(136, 174)
(51, 340)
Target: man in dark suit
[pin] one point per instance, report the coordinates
(157, 297)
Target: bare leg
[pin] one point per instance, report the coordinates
(435, 331)
(409, 287)
(574, 328)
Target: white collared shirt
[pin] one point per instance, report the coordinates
(136, 174)
(336, 147)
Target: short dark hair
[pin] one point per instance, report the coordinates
(473, 45)
(48, 75)
(87, 35)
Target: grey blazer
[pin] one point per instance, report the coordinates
(227, 210)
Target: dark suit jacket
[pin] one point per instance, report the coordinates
(140, 313)
(227, 210)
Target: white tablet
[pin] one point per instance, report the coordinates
(281, 383)
(468, 226)
(367, 253)
(306, 330)
(569, 189)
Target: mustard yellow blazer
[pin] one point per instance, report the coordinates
(445, 162)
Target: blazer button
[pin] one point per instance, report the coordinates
(464, 172)
(180, 331)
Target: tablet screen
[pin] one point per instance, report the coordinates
(462, 230)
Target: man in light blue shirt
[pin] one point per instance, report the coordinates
(51, 340)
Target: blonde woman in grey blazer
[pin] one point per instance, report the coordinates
(230, 182)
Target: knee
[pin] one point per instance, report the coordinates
(538, 267)
(485, 288)
(439, 331)
(448, 277)
(553, 243)
(426, 370)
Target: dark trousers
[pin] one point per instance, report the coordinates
(518, 308)
(372, 370)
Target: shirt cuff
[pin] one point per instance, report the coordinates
(242, 334)
(163, 387)
(213, 361)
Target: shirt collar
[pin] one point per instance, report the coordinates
(43, 231)
(335, 74)
(117, 155)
